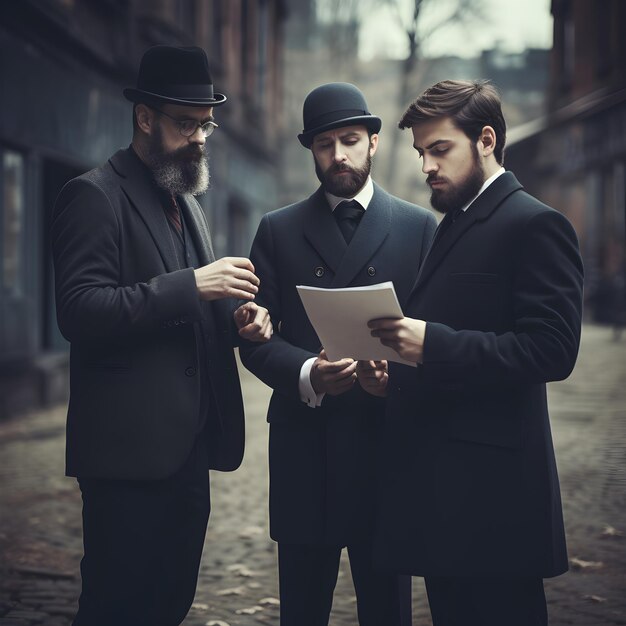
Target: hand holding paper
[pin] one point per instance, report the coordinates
(373, 377)
(332, 377)
(340, 318)
(405, 336)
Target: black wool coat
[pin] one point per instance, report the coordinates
(131, 311)
(323, 460)
(469, 482)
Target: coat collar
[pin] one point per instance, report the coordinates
(142, 193)
(322, 231)
(480, 210)
(198, 227)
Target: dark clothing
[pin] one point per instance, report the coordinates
(308, 575)
(469, 478)
(129, 306)
(485, 601)
(324, 460)
(154, 392)
(143, 541)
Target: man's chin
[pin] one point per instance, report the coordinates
(438, 201)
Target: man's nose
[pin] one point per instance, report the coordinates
(339, 154)
(429, 165)
(198, 137)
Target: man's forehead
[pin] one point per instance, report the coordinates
(437, 129)
(343, 131)
(188, 112)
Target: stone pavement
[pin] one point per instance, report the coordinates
(40, 532)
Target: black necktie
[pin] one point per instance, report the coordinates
(348, 215)
(446, 223)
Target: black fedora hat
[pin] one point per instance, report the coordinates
(332, 106)
(175, 75)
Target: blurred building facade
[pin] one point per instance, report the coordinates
(63, 65)
(574, 158)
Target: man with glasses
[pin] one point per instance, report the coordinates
(155, 399)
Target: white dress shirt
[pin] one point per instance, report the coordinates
(485, 185)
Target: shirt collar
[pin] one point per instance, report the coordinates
(364, 196)
(485, 185)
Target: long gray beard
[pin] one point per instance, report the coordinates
(180, 177)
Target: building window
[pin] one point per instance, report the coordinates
(12, 222)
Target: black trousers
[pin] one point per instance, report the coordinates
(307, 577)
(142, 546)
(487, 601)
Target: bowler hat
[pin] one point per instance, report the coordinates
(332, 106)
(175, 75)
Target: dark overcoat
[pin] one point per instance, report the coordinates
(131, 311)
(322, 460)
(469, 480)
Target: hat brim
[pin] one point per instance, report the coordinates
(372, 122)
(138, 95)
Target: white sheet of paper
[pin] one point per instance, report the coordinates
(340, 318)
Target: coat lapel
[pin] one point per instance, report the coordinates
(141, 193)
(478, 211)
(199, 229)
(322, 231)
(369, 236)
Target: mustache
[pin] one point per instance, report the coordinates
(339, 167)
(192, 152)
(434, 179)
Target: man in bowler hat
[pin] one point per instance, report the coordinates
(470, 493)
(324, 429)
(155, 399)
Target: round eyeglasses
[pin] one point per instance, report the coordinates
(187, 128)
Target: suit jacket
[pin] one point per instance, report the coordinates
(322, 459)
(131, 311)
(470, 484)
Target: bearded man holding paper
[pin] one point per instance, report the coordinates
(324, 429)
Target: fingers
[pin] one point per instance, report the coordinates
(238, 261)
(333, 377)
(385, 323)
(230, 277)
(333, 367)
(254, 322)
(244, 314)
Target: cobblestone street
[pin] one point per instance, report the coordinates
(40, 522)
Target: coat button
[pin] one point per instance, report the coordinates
(190, 371)
(371, 270)
(319, 271)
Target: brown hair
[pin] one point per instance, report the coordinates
(471, 104)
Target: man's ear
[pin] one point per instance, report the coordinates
(145, 118)
(373, 144)
(488, 140)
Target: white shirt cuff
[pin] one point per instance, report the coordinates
(307, 393)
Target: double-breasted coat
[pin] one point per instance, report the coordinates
(323, 460)
(469, 480)
(130, 308)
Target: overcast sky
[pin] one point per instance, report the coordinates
(516, 24)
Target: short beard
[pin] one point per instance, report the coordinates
(457, 196)
(181, 171)
(345, 186)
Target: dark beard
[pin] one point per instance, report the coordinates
(345, 186)
(182, 171)
(457, 196)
